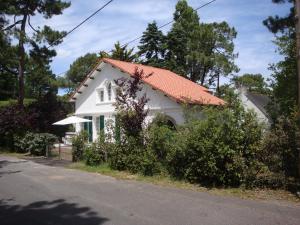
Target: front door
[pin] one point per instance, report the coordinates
(88, 127)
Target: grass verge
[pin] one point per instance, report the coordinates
(13, 154)
(261, 194)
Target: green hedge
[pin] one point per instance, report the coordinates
(35, 143)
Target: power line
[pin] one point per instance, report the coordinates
(166, 24)
(77, 26)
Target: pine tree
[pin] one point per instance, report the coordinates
(284, 73)
(198, 51)
(186, 20)
(120, 53)
(152, 46)
(22, 11)
(80, 68)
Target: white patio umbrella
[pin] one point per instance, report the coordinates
(71, 120)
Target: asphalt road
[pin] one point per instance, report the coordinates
(36, 194)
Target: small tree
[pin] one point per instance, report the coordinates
(130, 106)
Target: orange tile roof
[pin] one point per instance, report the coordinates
(171, 84)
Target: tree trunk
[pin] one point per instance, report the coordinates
(218, 85)
(21, 52)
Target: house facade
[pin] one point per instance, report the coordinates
(256, 102)
(94, 98)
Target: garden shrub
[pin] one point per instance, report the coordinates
(218, 150)
(279, 150)
(159, 138)
(97, 152)
(92, 156)
(127, 155)
(78, 146)
(35, 143)
(134, 157)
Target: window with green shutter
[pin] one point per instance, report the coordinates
(101, 123)
(88, 127)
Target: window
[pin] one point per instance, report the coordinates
(109, 91)
(101, 96)
(100, 123)
(88, 127)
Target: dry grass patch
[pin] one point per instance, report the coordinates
(165, 181)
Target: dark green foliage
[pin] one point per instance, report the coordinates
(218, 150)
(127, 156)
(160, 140)
(98, 152)
(200, 52)
(284, 73)
(15, 121)
(280, 151)
(120, 53)
(35, 143)
(152, 46)
(78, 146)
(254, 82)
(36, 59)
(284, 83)
(133, 157)
(80, 68)
(92, 155)
(278, 24)
(219, 147)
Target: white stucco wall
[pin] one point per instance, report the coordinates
(249, 105)
(87, 103)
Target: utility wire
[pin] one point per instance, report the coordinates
(77, 26)
(164, 25)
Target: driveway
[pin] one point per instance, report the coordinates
(36, 194)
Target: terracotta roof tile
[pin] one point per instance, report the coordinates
(171, 84)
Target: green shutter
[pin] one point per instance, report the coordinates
(88, 127)
(101, 123)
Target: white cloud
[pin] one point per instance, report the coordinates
(124, 20)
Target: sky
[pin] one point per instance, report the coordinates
(124, 20)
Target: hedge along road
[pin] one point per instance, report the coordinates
(35, 194)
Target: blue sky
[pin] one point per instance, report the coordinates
(123, 20)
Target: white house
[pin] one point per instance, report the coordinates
(256, 102)
(166, 90)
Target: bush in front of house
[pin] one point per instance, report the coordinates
(97, 152)
(281, 141)
(78, 146)
(35, 143)
(92, 156)
(134, 157)
(218, 150)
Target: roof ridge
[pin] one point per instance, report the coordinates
(158, 68)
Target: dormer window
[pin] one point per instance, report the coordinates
(109, 91)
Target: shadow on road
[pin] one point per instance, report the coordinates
(4, 163)
(57, 212)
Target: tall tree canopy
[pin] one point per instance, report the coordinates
(254, 82)
(120, 53)
(284, 73)
(198, 51)
(186, 20)
(80, 68)
(16, 15)
(152, 46)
